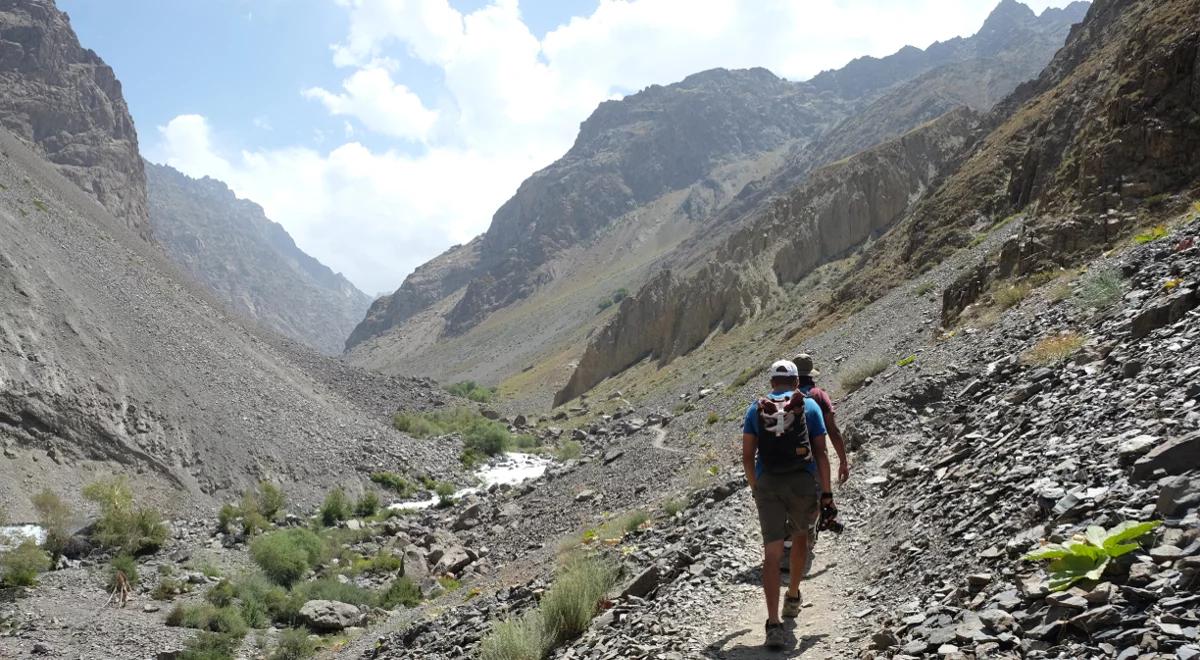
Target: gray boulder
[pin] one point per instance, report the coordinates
(330, 615)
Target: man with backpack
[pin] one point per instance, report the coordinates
(782, 436)
(807, 371)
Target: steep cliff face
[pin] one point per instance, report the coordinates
(1110, 123)
(250, 263)
(837, 209)
(63, 99)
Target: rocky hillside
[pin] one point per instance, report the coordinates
(66, 102)
(491, 300)
(249, 262)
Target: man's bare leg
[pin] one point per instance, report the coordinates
(772, 555)
(797, 561)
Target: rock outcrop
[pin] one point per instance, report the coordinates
(63, 99)
(837, 209)
(250, 263)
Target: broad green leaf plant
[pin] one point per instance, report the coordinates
(1086, 555)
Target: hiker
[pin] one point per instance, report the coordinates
(806, 372)
(782, 434)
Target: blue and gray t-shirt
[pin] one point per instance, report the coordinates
(812, 417)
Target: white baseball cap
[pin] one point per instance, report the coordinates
(784, 369)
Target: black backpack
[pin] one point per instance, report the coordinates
(783, 442)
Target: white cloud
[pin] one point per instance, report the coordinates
(509, 103)
(380, 104)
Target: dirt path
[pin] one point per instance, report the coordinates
(660, 439)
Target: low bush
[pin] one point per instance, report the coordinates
(712, 418)
(518, 638)
(674, 506)
(20, 566)
(401, 591)
(395, 483)
(367, 505)
(335, 508)
(1150, 235)
(206, 616)
(211, 646)
(167, 588)
(123, 526)
(634, 520)
(330, 588)
(744, 377)
(1100, 289)
(445, 493)
(469, 389)
(55, 517)
(384, 562)
(1008, 294)
(574, 597)
(856, 375)
(293, 644)
(286, 555)
(122, 564)
(482, 437)
(1054, 349)
(924, 288)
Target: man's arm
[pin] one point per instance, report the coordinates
(822, 455)
(839, 445)
(749, 451)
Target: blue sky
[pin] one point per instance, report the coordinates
(380, 132)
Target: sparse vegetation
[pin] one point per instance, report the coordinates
(1085, 556)
(54, 516)
(401, 591)
(923, 288)
(206, 616)
(122, 526)
(395, 483)
(367, 505)
(445, 493)
(482, 437)
(167, 588)
(615, 298)
(674, 506)
(258, 509)
(1054, 349)
(712, 418)
(904, 362)
(448, 583)
(744, 377)
(572, 600)
(469, 389)
(1100, 289)
(20, 566)
(1150, 235)
(41, 206)
(517, 638)
(211, 646)
(856, 375)
(1008, 294)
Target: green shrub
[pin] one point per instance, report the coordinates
(122, 526)
(448, 583)
(293, 644)
(221, 594)
(271, 499)
(286, 555)
(258, 595)
(445, 493)
(167, 588)
(394, 482)
(122, 564)
(568, 450)
(228, 514)
(211, 646)
(572, 600)
(336, 507)
(1150, 235)
(674, 506)
(20, 566)
(744, 377)
(518, 638)
(1099, 289)
(367, 505)
(401, 591)
(329, 588)
(1008, 294)
(855, 376)
(55, 517)
(384, 562)
(712, 418)
(468, 389)
(634, 520)
(206, 616)
(1086, 556)
(904, 362)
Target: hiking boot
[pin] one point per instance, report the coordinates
(791, 606)
(776, 636)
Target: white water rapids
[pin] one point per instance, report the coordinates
(512, 468)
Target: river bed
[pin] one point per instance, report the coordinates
(511, 469)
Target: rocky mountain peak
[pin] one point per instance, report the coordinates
(65, 101)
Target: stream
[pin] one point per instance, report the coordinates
(12, 535)
(512, 468)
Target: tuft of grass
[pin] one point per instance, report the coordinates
(674, 506)
(1099, 289)
(41, 206)
(395, 483)
(293, 644)
(518, 638)
(206, 616)
(1009, 294)
(167, 588)
(123, 526)
(904, 362)
(401, 591)
(572, 601)
(568, 450)
(20, 566)
(448, 583)
(743, 378)
(712, 418)
(1150, 235)
(1054, 349)
(923, 288)
(211, 646)
(634, 521)
(469, 389)
(855, 376)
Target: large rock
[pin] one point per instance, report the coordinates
(63, 99)
(1173, 456)
(330, 615)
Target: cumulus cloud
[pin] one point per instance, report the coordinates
(509, 102)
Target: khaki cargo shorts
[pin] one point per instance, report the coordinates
(787, 503)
